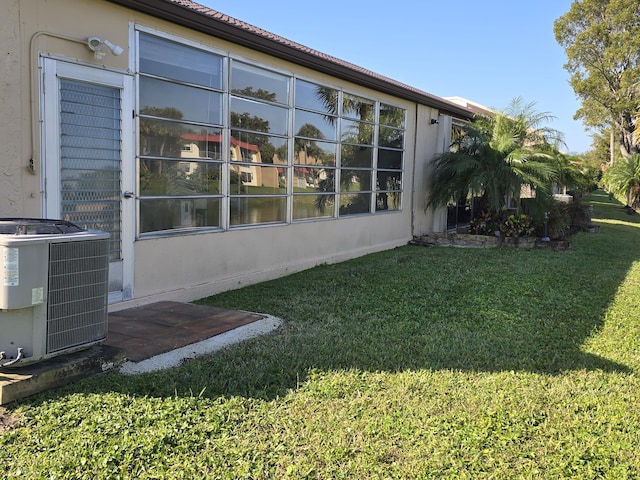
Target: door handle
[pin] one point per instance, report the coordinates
(128, 194)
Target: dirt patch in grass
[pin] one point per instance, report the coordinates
(8, 421)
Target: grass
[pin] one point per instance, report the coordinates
(412, 363)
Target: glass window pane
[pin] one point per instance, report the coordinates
(257, 148)
(390, 159)
(169, 214)
(164, 138)
(313, 180)
(256, 210)
(388, 180)
(355, 203)
(315, 125)
(313, 152)
(392, 116)
(175, 177)
(250, 81)
(355, 180)
(171, 100)
(358, 107)
(388, 201)
(391, 137)
(256, 179)
(357, 132)
(313, 206)
(316, 97)
(391, 183)
(356, 156)
(168, 59)
(259, 117)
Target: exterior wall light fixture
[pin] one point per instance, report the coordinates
(434, 121)
(95, 45)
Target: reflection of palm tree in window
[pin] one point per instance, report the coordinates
(312, 153)
(161, 139)
(326, 186)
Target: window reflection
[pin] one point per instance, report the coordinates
(165, 138)
(256, 179)
(171, 100)
(250, 81)
(315, 125)
(391, 116)
(257, 148)
(355, 180)
(391, 159)
(255, 210)
(182, 133)
(356, 156)
(168, 59)
(178, 213)
(313, 152)
(257, 116)
(357, 107)
(171, 177)
(357, 132)
(391, 137)
(355, 203)
(312, 206)
(316, 97)
(313, 180)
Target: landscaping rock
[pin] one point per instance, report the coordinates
(465, 240)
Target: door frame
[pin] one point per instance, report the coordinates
(52, 70)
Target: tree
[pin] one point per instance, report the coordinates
(623, 179)
(495, 157)
(602, 39)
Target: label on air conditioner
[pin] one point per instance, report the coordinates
(11, 270)
(37, 295)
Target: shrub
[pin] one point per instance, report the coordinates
(517, 225)
(485, 224)
(567, 218)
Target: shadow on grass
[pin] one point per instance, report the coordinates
(419, 308)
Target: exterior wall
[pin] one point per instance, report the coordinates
(430, 140)
(185, 267)
(15, 186)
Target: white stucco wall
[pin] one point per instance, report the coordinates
(13, 157)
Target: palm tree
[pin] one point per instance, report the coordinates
(496, 157)
(623, 178)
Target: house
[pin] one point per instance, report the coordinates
(216, 154)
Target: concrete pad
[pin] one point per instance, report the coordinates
(203, 347)
(18, 383)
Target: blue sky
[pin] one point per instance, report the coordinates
(488, 51)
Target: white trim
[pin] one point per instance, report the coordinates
(54, 69)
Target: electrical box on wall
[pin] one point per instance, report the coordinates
(53, 289)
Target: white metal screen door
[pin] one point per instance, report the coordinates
(88, 130)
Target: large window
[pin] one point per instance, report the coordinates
(259, 154)
(315, 151)
(226, 144)
(180, 144)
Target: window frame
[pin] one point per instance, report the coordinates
(289, 165)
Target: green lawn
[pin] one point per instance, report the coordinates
(412, 363)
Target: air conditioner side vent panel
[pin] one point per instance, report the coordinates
(77, 293)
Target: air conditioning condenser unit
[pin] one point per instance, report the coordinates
(54, 279)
